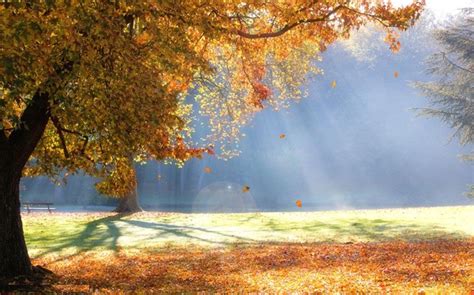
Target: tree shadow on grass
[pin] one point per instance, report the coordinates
(185, 231)
(104, 233)
(368, 230)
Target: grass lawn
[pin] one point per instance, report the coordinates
(408, 250)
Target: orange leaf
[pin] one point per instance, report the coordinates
(282, 135)
(246, 189)
(207, 169)
(395, 74)
(299, 203)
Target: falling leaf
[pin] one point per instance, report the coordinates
(282, 136)
(207, 170)
(210, 150)
(246, 189)
(395, 74)
(158, 177)
(333, 84)
(298, 203)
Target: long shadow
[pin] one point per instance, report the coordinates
(182, 231)
(104, 233)
(371, 229)
(93, 236)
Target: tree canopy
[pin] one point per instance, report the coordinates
(86, 85)
(117, 72)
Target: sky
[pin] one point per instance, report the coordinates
(441, 8)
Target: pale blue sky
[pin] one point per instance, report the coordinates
(441, 8)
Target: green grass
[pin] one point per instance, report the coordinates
(61, 233)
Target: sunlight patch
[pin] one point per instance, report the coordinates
(224, 196)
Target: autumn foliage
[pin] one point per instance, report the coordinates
(117, 73)
(382, 268)
(94, 86)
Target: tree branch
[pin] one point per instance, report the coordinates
(84, 146)
(61, 129)
(454, 64)
(57, 124)
(24, 139)
(85, 137)
(34, 119)
(287, 27)
(325, 17)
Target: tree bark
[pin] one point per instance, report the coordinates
(14, 259)
(129, 203)
(15, 150)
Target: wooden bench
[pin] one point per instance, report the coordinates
(38, 206)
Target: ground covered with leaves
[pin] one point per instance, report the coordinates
(418, 250)
(398, 267)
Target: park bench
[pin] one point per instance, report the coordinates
(38, 206)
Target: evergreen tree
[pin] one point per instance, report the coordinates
(451, 93)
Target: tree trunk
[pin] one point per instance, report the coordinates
(14, 259)
(15, 151)
(129, 203)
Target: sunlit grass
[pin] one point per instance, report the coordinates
(410, 251)
(61, 233)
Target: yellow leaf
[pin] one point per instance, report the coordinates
(333, 84)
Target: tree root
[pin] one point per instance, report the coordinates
(40, 280)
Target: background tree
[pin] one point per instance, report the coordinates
(86, 84)
(452, 93)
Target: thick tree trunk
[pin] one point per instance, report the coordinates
(15, 151)
(14, 259)
(129, 204)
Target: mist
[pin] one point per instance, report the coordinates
(357, 145)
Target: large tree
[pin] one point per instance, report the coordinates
(451, 93)
(86, 84)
